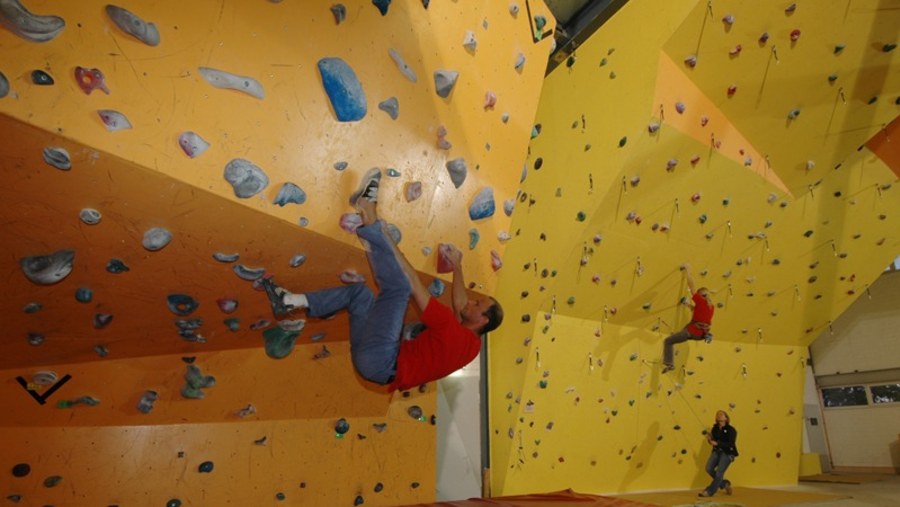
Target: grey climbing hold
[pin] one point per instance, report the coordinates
(340, 13)
(469, 42)
(343, 89)
(390, 106)
(224, 257)
(246, 178)
(227, 305)
(509, 206)
(297, 260)
(279, 343)
(188, 324)
(290, 193)
(415, 412)
(90, 216)
(145, 404)
(392, 173)
(436, 287)
(233, 324)
(15, 17)
(413, 191)
(32, 308)
(349, 222)
(156, 238)
(48, 269)
(483, 204)
(133, 25)
(114, 120)
(84, 295)
(35, 339)
(58, 158)
(444, 80)
(116, 266)
(249, 274)
(4, 86)
(405, 69)
(520, 62)
(229, 81)
(474, 236)
(340, 166)
(458, 171)
(52, 481)
(181, 304)
(192, 144)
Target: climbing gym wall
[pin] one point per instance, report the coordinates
(729, 135)
(160, 159)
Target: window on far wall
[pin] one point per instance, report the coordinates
(848, 396)
(885, 393)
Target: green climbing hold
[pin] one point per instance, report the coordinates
(581, 216)
(623, 141)
(543, 384)
(279, 343)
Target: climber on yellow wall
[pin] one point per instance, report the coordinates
(451, 338)
(699, 326)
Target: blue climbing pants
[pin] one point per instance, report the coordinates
(375, 320)
(716, 465)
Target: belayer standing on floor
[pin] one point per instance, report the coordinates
(699, 326)
(722, 437)
(451, 338)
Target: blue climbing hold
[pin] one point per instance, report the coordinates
(116, 266)
(474, 236)
(341, 426)
(84, 295)
(343, 88)
(483, 204)
(436, 288)
(205, 467)
(382, 6)
(290, 193)
(181, 304)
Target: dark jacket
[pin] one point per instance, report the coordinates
(725, 437)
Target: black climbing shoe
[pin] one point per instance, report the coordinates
(667, 368)
(276, 298)
(368, 187)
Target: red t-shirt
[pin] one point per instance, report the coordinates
(442, 348)
(703, 312)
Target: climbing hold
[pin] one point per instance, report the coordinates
(736, 50)
(436, 287)
(469, 42)
(343, 89)
(192, 144)
(41, 78)
(695, 159)
(35, 339)
(229, 81)
(173, 503)
(580, 216)
(156, 238)
(48, 269)
(394, 232)
(474, 236)
(227, 305)
(887, 48)
(623, 141)
(350, 276)
(205, 467)
(181, 304)
(340, 166)
(247, 273)
(21, 470)
(245, 178)
(790, 9)
(378, 487)
(653, 127)
(504, 117)
(340, 13)
(415, 412)
(58, 158)
(358, 500)
(84, 295)
(412, 191)
(405, 69)
(133, 25)
(116, 266)
(341, 426)
(702, 218)
(490, 100)
(90, 216)
(872, 100)
(292, 325)
(114, 120)
(297, 260)
(795, 34)
(90, 80)
(233, 324)
(444, 80)
(4, 86)
(728, 20)
(196, 381)
(732, 90)
(443, 261)
(382, 6)
(52, 481)
(695, 198)
(691, 61)
(145, 404)
(350, 222)
(458, 171)
(391, 107)
(763, 38)
(483, 204)
(794, 113)
(15, 17)
(680, 107)
(224, 257)
(671, 164)
(496, 261)
(290, 193)
(838, 48)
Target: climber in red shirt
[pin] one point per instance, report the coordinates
(699, 326)
(451, 338)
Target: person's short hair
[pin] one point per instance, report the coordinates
(494, 315)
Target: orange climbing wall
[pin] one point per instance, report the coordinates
(140, 178)
(785, 220)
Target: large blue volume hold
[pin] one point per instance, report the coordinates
(343, 89)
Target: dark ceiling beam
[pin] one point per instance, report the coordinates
(580, 27)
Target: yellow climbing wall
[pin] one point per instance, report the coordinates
(75, 390)
(766, 189)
